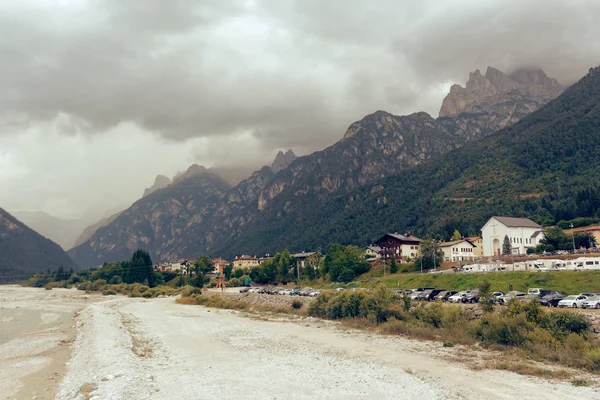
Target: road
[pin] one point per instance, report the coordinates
(157, 349)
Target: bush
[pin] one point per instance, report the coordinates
(98, 285)
(297, 304)
(109, 292)
(504, 330)
(561, 324)
(188, 291)
(318, 307)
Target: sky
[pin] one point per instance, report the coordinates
(97, 97)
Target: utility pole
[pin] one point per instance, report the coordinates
(573, 236)
(434, 265)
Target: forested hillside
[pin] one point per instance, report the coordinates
(545, 167)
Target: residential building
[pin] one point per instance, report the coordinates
(594, 231)
(458, 250)
(301, 257)
(523, 233)
(398, 246)
(245, 262)
(373, 252)
(219, 264)
(478, 242)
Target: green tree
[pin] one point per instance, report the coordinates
(506, 246)
(393, 265)
(456, 235)
(139, 268)
(198, 280)
(341, 258)
(430, 255)
(227, 270)
(204, 265)
(485, 296)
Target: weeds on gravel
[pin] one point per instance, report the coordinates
(559, 337)
(522, 368)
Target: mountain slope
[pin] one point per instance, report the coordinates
(24, 251)
(154, 221)
(545, 167)
(61, 231)
(377, 146)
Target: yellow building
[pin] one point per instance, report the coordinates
(245, 262)
(478, 242)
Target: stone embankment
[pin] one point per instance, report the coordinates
(272, 300)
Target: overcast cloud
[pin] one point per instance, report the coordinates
(98, 97)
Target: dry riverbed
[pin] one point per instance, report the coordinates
(36, 332)
(157, 349)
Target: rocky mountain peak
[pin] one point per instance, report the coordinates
(193, 170)
(525, 88)
(283, 160)
(160, 182)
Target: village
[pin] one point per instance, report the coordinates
(505, 244)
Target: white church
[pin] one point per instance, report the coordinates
(523, 233)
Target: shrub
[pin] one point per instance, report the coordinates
(98, 285)
(109, 292)
(561, 324)
(448, 344)
(297, 304)
(318, 307)
(504, 330)
(48, 287)
(187, 291)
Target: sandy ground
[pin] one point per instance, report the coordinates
(157, 349)
(36, 330)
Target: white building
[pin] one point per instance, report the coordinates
(373, 252)
(523, 233)
(458, 250)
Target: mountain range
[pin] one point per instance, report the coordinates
(272, 208)
(24, 251)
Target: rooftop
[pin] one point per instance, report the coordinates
(517, 222)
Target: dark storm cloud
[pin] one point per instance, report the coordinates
(294, 73)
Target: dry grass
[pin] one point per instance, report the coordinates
(581, 382)
(186, 301)
(521, 367)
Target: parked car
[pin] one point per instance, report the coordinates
(552, 299)
(575, 301)
(472, 296)
(433, 294)
(244, 290)
(509, 296)
(424, 295)
(340, 289)
(592, 302)
(443, 296)
(314, 293)
(538, 292)
(457, 297)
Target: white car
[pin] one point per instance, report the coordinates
(572, 301)
(591, 302)
(509, 296)
(457, 298)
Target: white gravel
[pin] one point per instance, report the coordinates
(156, 349)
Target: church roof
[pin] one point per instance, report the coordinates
(517, 222)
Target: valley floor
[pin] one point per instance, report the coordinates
(157, 349)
